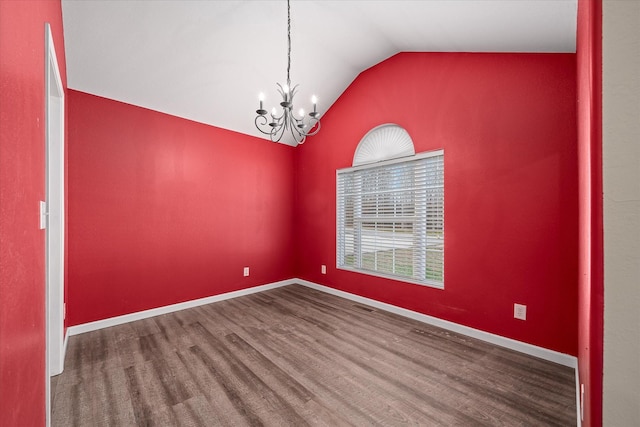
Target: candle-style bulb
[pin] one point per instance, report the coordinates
(273, 111)
(301, 112)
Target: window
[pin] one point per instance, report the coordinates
(390, 219)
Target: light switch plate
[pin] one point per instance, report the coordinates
(43, 215)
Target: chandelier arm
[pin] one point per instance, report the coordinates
(278, 131)
(298, 136)
(264, 123)
(279, 118)
(298, 120)
(314, 125)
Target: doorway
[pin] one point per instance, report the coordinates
(54, 215)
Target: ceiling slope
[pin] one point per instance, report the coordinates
(207, 61)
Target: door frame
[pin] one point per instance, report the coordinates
(54, 101)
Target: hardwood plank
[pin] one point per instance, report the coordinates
(267, 370)
(110, 406)
(221, 396)
(265, 399)
(197, 412)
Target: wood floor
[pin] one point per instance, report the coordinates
(293, 356)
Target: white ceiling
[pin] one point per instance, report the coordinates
(208, 60)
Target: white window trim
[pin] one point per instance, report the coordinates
(419, 156)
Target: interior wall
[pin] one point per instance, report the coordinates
(621, 178)
(590, 235)
(22, 186)
(507, 124)
(164, 210)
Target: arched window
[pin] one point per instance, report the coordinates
(390, 210)
(384, 142)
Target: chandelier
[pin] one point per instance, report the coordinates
(300, 126)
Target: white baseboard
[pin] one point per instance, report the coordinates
(113, 321)
(542, 353)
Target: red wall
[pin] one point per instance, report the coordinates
(164, 210)
(507, 124)
(22, 165)
(590, 264)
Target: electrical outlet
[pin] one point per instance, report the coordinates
(323, 269)
(520, 311)
(246, 272)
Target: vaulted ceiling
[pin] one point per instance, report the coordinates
(207, 61)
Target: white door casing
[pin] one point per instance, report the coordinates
(54, 190)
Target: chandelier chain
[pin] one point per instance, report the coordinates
(288, 42)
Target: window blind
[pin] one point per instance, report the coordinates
(390, 219)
